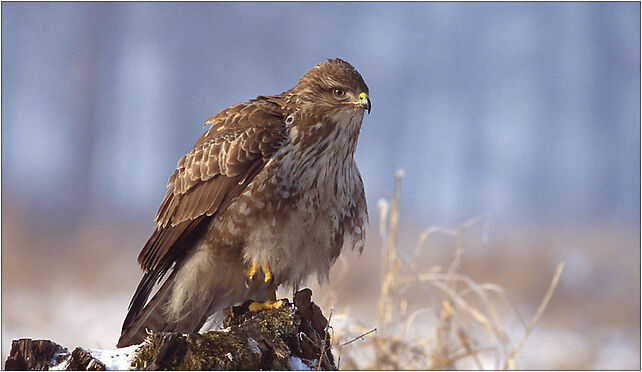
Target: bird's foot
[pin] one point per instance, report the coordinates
(270, 301)
(251, 273)
(267, 305)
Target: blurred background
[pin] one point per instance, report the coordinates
(528, 112)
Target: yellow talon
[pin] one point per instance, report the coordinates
(250, 273)
(255, 267)
(270, 298)
(267, 305)
(266, 272)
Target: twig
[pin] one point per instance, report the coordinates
(349, 342)
(325, 339)
(538, 313)
(359, 337)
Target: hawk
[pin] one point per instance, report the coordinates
(267, 196)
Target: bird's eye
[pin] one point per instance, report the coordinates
(339, 92)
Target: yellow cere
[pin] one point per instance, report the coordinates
(362, 97)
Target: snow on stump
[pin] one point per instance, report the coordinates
(291, 337)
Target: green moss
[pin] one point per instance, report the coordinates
(220, 350)
(148, 353)
(212, 350)
(144, 355)
(276, 322)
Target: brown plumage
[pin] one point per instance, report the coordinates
(271, 182)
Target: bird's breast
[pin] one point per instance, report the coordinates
(302, 205)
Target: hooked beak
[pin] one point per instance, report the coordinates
(364, 101)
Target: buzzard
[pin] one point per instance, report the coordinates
(267, 196)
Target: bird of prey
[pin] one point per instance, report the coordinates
(267, 196)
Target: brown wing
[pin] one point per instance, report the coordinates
(221, 164)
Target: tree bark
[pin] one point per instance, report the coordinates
(290, 337)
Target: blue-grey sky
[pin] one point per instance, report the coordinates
(529, 111)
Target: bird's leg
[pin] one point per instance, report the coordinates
(254, 268)
(267, 274)
(249, 274)
(270, 301)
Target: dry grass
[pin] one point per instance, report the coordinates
(469, 329)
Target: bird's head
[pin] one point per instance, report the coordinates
(334, 87)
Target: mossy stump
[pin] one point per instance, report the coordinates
(290, 337)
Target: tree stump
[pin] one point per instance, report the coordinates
(290, 337)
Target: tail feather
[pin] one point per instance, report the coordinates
(158, 316)
(152, 317)
(199, 285)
